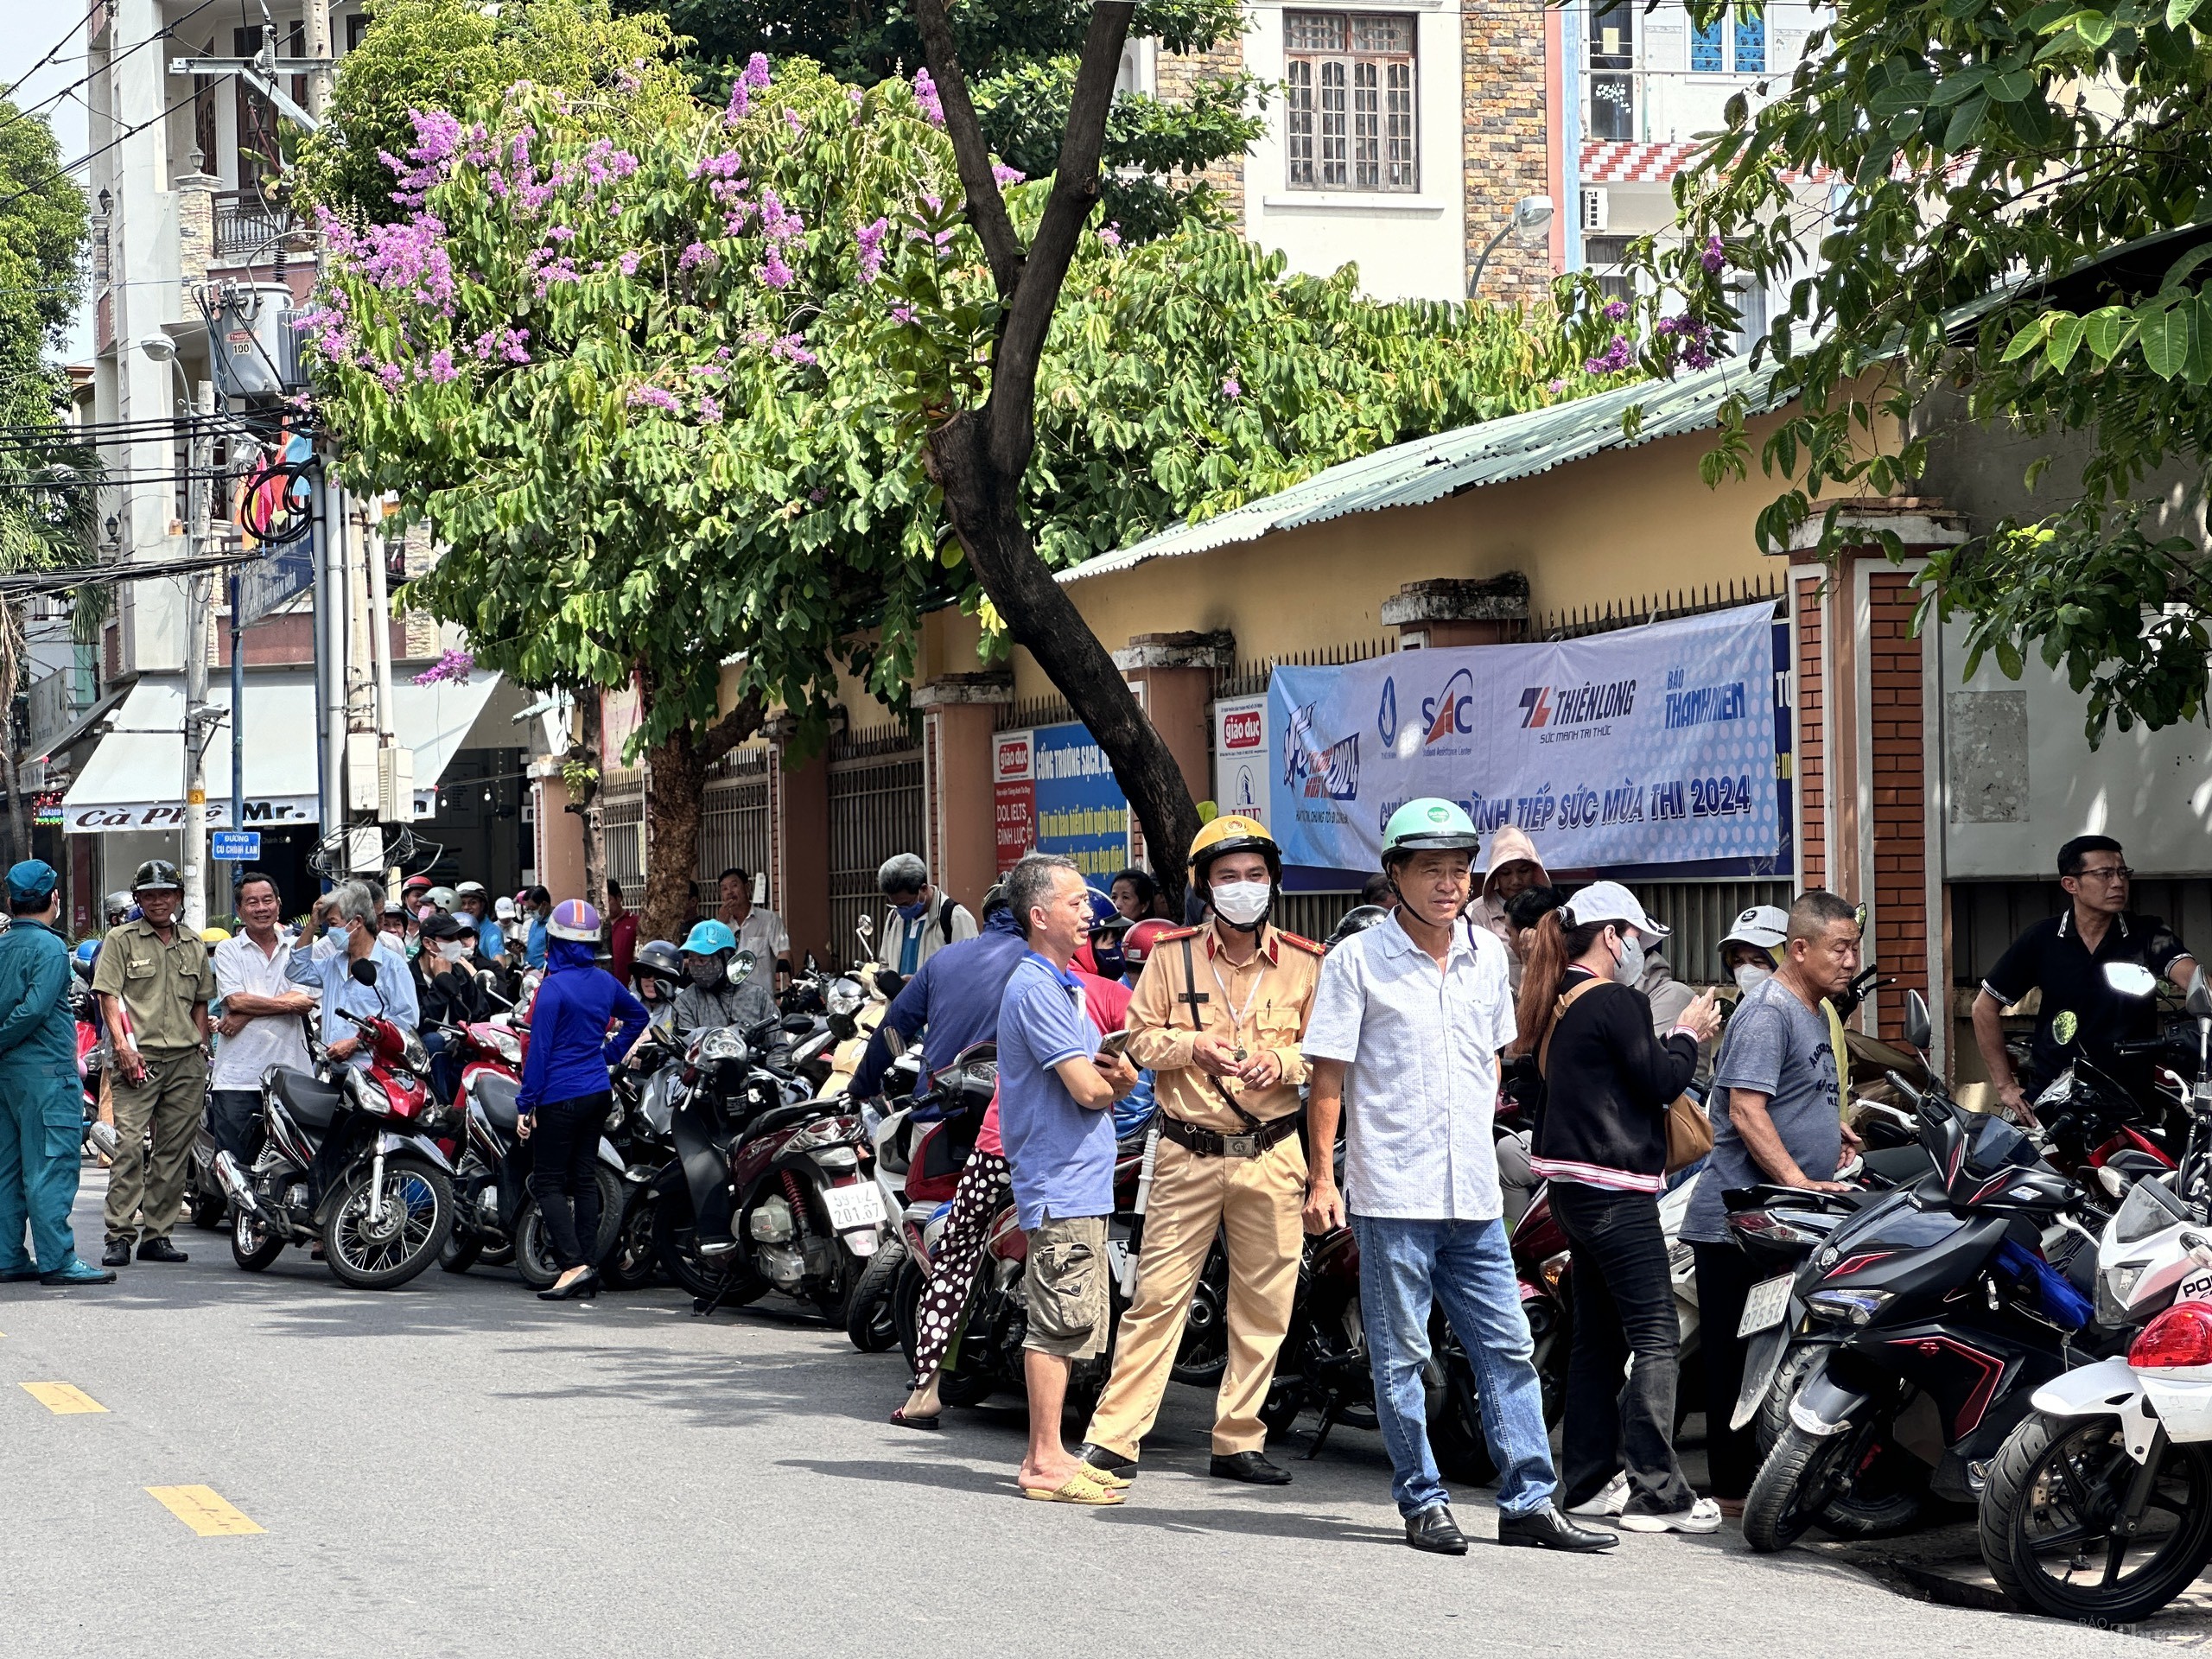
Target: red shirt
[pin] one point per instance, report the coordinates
(1106, 1002)
(622, 945)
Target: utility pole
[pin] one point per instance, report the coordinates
(238, 711)
(200, 719)
(318, 45)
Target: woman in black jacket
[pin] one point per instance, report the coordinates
(1601, 1144)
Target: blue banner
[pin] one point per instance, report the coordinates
(1646, 746)
(1081, 811)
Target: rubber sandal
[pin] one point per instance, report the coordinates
(1074, 1489)
(1106, 1477)
(930, 1422)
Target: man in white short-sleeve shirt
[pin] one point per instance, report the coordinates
(260, 1025)
(1412, 1012)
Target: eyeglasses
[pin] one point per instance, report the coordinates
(2115, 872)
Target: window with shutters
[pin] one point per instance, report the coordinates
(1349, 80)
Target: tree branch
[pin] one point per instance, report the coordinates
(732, 729)
(1075, 192)
(986, 206)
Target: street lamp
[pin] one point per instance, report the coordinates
(1531, 224)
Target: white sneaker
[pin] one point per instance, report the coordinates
(1704, 1516)
(1608, 1502)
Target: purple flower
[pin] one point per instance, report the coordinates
(629, 263)
(1615, 309)
(870, 240)
(697, 254)
(392, 376)
(454, 665)
(1111, 236)
(741, 102)
(1617, 357)
(757, 72)
(710, 412)
(816, 496)
(654, 397)
(441, 369)
(774, 272)
(1231, 389)
(1714, 257)
(902, 313)
(1006, 174)
(926, 95)
(1555, 387)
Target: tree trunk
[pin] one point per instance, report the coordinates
(676, 786)
(984, 507)
(17, 844)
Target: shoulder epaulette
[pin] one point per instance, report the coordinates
(1177, 933)
(1303, 944)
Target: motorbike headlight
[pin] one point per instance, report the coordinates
(506, 1046)
(2115, 1287)
(414, 1055)
(1848, 1306)
(830, 1132)
(723, 1043)
(844, 996)
(2061, 1090)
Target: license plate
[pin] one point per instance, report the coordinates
(2197, 1287)
(1766, 1305)
(858, 1206)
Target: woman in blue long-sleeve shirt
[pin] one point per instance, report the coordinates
(565, 1095)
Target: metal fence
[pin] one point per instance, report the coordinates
(733, 824)
(1700, 914)
(875, 809)
(622, 825)
(1987, 916)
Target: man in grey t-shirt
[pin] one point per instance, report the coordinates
(1776, 1117)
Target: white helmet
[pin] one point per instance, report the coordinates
(1764, 927)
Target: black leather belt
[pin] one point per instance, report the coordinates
(1211, 1143)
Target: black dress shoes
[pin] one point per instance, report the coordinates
(1112, 1462)
(160, 1249)
(117, 1254)
(1435, 1531)
(1546, 1528)
(1251, 1467)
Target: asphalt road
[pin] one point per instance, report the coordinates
(458, 1468)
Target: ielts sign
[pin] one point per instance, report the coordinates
(1013, 797)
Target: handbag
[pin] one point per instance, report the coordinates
(1689, 1131)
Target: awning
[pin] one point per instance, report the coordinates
(134, 779)
(85, 722)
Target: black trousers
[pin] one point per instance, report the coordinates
(234, 1114)
(1623, 1312)
(1724, 1282)
(564, 1146)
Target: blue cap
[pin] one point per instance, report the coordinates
(32, 879)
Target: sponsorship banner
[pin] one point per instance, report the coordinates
(1013, 797)
(1240, 757)
(1080, 808)
(1647, 745)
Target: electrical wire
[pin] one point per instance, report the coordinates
(49, 57)
(168, 30)
(62, 173)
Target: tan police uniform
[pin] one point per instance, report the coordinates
(1230, 1160)
(164, 989)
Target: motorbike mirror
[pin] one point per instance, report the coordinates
(2063, 1026)
(2131, 978)
(740, 967)
(2112, 1180)
(363, 972)
(865, 927)
(894, 1038)
(1919, 1030)
(2200, 996)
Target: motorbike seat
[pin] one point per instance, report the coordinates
(313, 1103)
(498, 1096)
(779, 1118)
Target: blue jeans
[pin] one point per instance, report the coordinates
(1405, 1267)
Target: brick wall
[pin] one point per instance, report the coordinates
(1900, 776)
(1502, 121)
(1811, 747)
(1177, 73)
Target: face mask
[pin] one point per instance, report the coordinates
(1628, 967)
(1241, 904)
(452, 950)
(912, 913)
(706, 972)
(1751, 977)
(338, 933)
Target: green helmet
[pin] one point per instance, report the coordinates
(1427, 824)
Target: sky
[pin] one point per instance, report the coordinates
(28, 28)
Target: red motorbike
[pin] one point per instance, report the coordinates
(348, 1156)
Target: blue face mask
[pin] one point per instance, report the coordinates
(914, 911)
(337, 933)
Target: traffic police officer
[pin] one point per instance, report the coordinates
(41, 1101)
(154, 982)
(1216, 1017)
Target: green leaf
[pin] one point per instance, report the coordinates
(2065, 339)
(2034, 335)
(2107, 331)
(1965, 121)
(2164, 338)
(2180, 11)
(2171, 282)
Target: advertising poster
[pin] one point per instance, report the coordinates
(1646, 746)
(1240, 757)
(1080, 810)
(1013, 797)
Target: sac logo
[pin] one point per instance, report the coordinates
(1450, 714)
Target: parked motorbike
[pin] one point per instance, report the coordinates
(2098, 1508)
(1936, 1315)
(346, 1155)
(496, 1210)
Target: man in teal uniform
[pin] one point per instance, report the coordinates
(42, 1102)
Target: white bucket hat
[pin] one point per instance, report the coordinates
(1609, 901)
(1764, 926)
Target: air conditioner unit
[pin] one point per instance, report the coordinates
(1596, 208)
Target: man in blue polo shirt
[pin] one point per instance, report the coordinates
(1055, 1118)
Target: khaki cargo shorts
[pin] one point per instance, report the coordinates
(1065, 1282)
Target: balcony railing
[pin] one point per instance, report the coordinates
(248, 226)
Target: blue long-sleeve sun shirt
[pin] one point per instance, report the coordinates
(570, 1050)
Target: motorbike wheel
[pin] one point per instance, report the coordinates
(383, 1255)
(1796, 1489)
(1286, 1399)
(869, 1323)
(634, 1263)
(252, 1246)
(675, 1240)
(955, 1386)
(1773, 1414)
(534, 1262)
(1455, 1428)
(460, 1254)
(209, 1209)
(1203, 1354)
(2047, 1513)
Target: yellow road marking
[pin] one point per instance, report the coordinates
(198, 1508)
(62, 1398)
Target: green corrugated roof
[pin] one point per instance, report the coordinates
(1493, 452)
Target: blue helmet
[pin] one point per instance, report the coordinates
(708, 937)
(86, 950)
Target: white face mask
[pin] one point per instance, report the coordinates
(1627, 967)
(453, 950)
(1750, 977)
(1241, 903)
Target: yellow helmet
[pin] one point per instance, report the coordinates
(214, 936)
(1233, 833)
